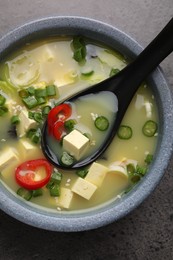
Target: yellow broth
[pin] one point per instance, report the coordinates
(49, 62)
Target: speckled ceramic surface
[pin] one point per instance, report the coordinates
(110, 212)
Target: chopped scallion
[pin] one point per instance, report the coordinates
(3, 110)
(51, 90)
(69, 124)
(38, 117)
(113, 72)
(40, 92)
(79, 47)
(30, 102)
(23, 93)
(15, 120)
(55, 190)
(46, 110)
(101, 123)
(37, 193)
(82, 173)
(150, 128)
(149, 158)
(41, 100)
(31, 91)
(124, 132)
(2, 100)
(56, 177)
(66, 159)
(24, 193)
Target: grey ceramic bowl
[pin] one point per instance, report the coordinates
(112, 211)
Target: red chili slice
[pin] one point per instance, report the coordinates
(58, 130)
(25, 174)
(58, 113)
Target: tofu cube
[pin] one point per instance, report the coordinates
(48, 53)
(76, 144)
(65, 198)
(25, 123)
(8, 173)
(96, 174)
(11, 105)
(84, 188)
(7, 158)
(27, 147)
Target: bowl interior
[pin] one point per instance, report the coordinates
(112, 211)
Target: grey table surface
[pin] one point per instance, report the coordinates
(146, 233)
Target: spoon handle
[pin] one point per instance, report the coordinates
(155, 52)
(147, 60)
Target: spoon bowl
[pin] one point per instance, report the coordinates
(123, 85)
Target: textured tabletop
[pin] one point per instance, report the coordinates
(146, 233)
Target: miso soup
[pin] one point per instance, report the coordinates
(34, 82)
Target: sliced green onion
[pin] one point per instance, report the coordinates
(38, 117)
(31, 132)
(141, 170)
(55, 190)
(24, 193)
(101, 123)
(66, 159)
(56, 177)
(69, 124)
(41, 100)
(149, 158)
(30, 102)
(46, 110)
(113, 72)
(40, 92)
(31, 91)
(51, 90)
(2, 100)
(82, 172)
(130, 168)
(37, 193)
(88, 74)
(79, 47)
(124, 132)
(23, 93)
(149, 128)
(3, 110)
(34, 135)
(87, 71)
(135, 178)
(31, 114)
(15, 120)
(36, 138)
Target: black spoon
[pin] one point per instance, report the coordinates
(124, 85)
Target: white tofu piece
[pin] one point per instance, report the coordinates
(96, 174)
(7, 157)
(63, 87)
(25, 123)
(84, 188)
(8, 172)
(76, 144)
(27, 147)
(11, 104)
(65, 198)
(48, 53)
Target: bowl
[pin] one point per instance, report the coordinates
(112, 211)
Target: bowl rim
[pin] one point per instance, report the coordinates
(110, 212)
